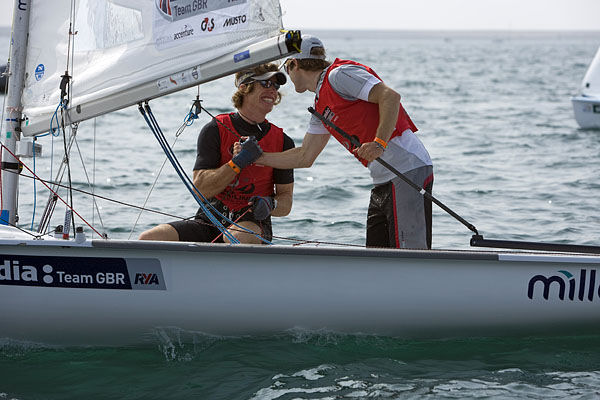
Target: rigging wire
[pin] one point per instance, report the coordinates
(67, 91)
(1, 170)
(5, 222)
(189, 119)
(34, 188)
(51, 204)
(88, 182)
(67, 162)
(122, 203)
(48, 187)
(94, 177)
(54, 132)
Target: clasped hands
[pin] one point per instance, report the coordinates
(246, 152)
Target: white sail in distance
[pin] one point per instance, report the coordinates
(122, 52)
(590, 86)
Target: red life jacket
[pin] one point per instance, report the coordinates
(356, 117)
(254, 180)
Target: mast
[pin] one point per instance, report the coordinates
(12, 127)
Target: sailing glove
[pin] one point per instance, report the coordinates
(262, 206)
(251, 151)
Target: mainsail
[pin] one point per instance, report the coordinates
(120, 52)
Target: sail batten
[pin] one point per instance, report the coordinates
(124, 52)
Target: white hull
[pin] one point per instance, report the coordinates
(587, 111)
(241, 290)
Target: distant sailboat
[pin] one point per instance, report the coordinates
(587, 104)
(3, 79)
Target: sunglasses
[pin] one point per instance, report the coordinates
(268, 84)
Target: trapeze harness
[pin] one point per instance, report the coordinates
(254, 180)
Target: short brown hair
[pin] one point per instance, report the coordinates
(314, 64)
(244, 89)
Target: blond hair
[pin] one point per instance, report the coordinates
(245, 89)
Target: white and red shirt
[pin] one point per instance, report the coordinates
(342, 95)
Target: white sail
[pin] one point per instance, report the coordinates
(590, 86)
(586, 105)
(126, 51)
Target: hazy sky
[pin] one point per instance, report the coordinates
(442, 14)
(427, 14)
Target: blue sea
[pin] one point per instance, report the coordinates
(494, 111)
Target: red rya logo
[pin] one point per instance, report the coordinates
(146, 279)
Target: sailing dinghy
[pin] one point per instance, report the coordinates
(77, 290)
(587, 104)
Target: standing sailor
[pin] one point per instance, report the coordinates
(352, 96)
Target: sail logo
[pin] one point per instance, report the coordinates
(565, 284)
(39, 72)
(244, 55)
(240, 19)
(173, 10)
(10, 270)
(146, 279)
(186, 31)
(13, 271)
(81, 272)
(207, 24)
(165, 6)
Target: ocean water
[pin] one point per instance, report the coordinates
(493, 110)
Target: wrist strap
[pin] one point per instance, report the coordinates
(234, 167)
(381, 142)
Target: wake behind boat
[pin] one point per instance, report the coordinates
(67, 289)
